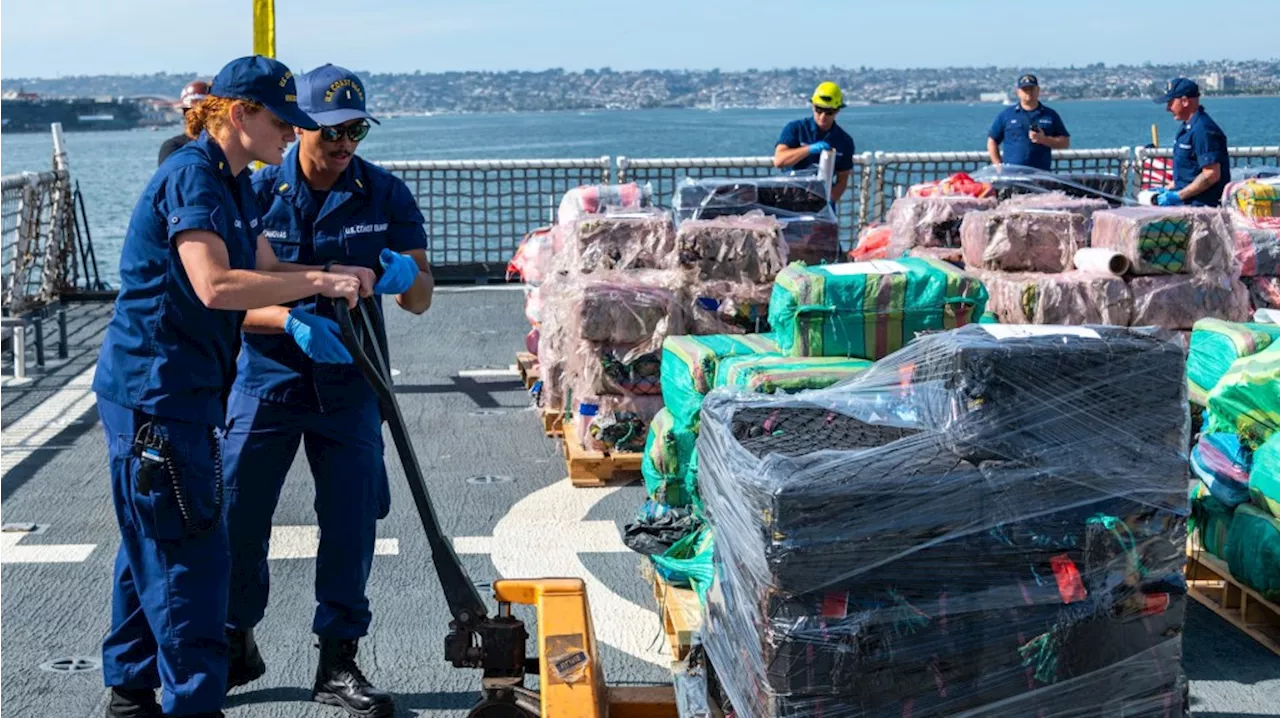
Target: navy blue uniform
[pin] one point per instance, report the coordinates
(282, 398)
(1011, 127)
(1200, 143)
(168, 360)
(806, 132)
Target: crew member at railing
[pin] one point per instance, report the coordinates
(194, 92)
(1027, 133)
(803, 141)
(296, 384)
(1201, 164)
(193, 262)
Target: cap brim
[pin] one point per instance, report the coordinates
(337, 117)
(1162, 100)
(294, 116)
(1026, 85)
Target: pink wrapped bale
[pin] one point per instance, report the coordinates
(599, 198)
(596, 370)
(728, 308)
(622, 240)
(1067, 298)
(745, 248)
(1178, 302)
(614, 423)
(1022, 240)
(1059, 201)
(627, 307)
(1257, 251)
(1264, 292)
(930, 221)
(1167, 240)
(950, 255)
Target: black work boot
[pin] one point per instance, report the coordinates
(128, 703)
(244, 663)
(339, 682)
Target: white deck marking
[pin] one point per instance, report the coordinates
(289, 542)
(37, 427)
(543, 534)
(11, 552)
(488, 373)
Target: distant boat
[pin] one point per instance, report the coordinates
(715, 105)
(1008, 101)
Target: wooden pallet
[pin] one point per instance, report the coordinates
(596, 468)
(680, 611)
(552, 422)
(1210, 582)
(527, 365)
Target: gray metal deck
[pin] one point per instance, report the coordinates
(466, 423)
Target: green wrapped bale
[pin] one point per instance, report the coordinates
(869, 309)
(668, 453)
(1253, 550)
(1264, 477)
(1210, 521)
(772, 374)
(1215, 345)
(688, 563)
(689, 368)
(1247, 399)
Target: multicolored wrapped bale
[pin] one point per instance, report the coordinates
(1223, 465)
(1067, 298)
(1254, 199)
(1264, 292)
(689, 367)
(1022, 239)
(1247, 399)
(1257, 251)
(668, 454)
(1167, 240)
(1179, 301)
(930, 221)
(1253, 550)
(772, 374)
(1210, 520)
(1215, 345)
(1264, 477)
(869, 309)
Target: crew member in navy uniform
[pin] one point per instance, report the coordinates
(193, 93)
(323, 204)
(802, 142)
(1027, 133)
(193, 262)
(1201, 164)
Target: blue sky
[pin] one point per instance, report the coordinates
(75, 37)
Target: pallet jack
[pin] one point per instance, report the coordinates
(567, 663)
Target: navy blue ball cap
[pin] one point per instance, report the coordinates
(332, 95)
(1179, 87)
(265, 81)
(1028, 80)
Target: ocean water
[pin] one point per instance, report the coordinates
(113, 167)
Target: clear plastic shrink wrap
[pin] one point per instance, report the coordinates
(600, 198)
(1022, 240)
(618, 239)
(930, 221)
(1257, 251)
(1168, 240)
(1264, 292)
(1067, 298)
(990, 522)
(747, 248)
(1177, 302)
(1059, 201)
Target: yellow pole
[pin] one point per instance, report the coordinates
(1155, 136)
(264, 28)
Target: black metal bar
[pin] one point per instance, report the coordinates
(62, 332)
(93, 258)
(38, 322)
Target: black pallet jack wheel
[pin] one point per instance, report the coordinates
(498, 708)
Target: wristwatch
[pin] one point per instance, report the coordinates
(329, 264)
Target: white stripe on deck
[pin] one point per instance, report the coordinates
(554, 520)
(37, 427)
(11, 552)
(290, 542)
(488, 373)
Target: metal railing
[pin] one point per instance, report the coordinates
(664, 172)
(1147, 167)
(38, 247)
(477, 211)
(894, 172)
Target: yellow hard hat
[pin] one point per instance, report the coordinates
(828, 95)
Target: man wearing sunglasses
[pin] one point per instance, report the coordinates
(803, 141)
(296, 384)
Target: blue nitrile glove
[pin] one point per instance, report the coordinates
(399, 271)
(1168, 198)
(818, 147)
(318, 337)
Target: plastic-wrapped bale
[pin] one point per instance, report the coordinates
(1167, 240)
(1257, 251)
(614, 423)
(1067, 298)
(1022, 240)
(1222, 464)
(813, 239)
(726, 307)
(1178, 302)
(1264, 476)
(869, 309)
(772, 374)
(1253, 550)
(665, 466)
(633, 308)
(1060, 201)
(865, 568)
(1254, 199)
(1210, 520)
(1264, 292)
(930, 221)
(745, 249)
(950, 255)
(689, 367)
(1215, 345)
(595, 369)
(619, 240)
(1246, 400)
(803, 193)
(599, 198)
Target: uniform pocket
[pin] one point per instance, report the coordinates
(285, 250)
(173, 499)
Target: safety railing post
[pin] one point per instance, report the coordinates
(622, 169)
